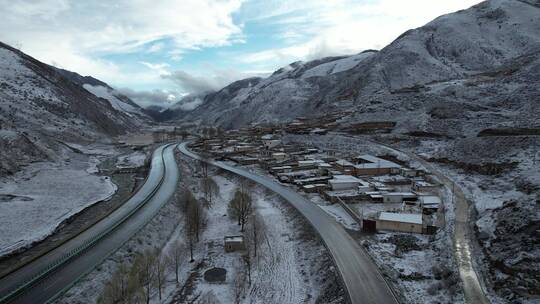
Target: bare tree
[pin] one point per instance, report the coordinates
(210, 189)
(194, 223)
(240, 207)
(145, 273)
(174, 256)
(160, 264)
(203, 162)
(185, 199)
(255, 232)
(116, 290)
(239, 286)
(247, 260)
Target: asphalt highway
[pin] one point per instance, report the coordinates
(53, 273)
(363, 281)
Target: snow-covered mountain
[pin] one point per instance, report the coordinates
(40, 105)
(476, 63)
(118, 101)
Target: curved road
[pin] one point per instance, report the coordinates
(363, 281)
(53, 273)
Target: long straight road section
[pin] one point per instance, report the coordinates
(48, 276)
(363, 281)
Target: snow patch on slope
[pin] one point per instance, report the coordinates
(35, 201)
(337, 66)
(117, 104)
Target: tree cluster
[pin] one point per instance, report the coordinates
(145, 277)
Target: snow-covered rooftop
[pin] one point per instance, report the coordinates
(413, 218)
(234, 238)
(430, 200)
(345, 179)
(343, 162)
(375, 162)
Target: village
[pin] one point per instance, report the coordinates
(378, 192)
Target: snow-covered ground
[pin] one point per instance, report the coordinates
(289, 267)
(279, 273)
(35, 201)
(411, 272)
(414, 262)
(116, 103)
(132, 160)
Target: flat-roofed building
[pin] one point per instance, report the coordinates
(398, 197)
(344, 182)
(429, 203)
(234, 243)
(371, 165)
(279, 155)
(424, 186)
(402, 222)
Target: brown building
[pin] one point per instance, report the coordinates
(233, 243)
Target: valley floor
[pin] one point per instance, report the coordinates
(36, 200)
(292, 266)
(60, 198)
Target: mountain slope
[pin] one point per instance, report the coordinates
(40, 106)
(100, 89)
(462, 92)
(424, 68)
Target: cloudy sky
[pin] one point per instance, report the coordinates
(157, 49)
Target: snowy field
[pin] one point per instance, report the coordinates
(132, 160)
(415, 262)
(287, 269)
(36, 200)
(279, 273)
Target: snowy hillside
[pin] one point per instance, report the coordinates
(472, 60)
(40, 107)
(100, 89)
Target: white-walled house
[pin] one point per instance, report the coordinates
(403, 222)
(344, 182)
(398, 197)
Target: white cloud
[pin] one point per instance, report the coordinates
(88, 36)
(321, 28)
(161, 68)
(196, 84)
(153, 97)
(190, 104)
(76, 33)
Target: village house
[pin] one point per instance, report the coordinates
(311, 180)
(289, 177)
(408, 172)
(344, 165)
(324, 168)
(364, 187)
(402, 222)
(243, 148)
(424, 186)
(233, 243)
(280, 169)
(279, 156)
(346, 196)
(429, 203)
(371, 165)
(398, 197)
(344, 182)
(373, 196)
(308, 164)
(314, 188)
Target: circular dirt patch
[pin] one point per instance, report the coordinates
(215, 275)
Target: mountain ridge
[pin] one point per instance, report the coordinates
(460, 46)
